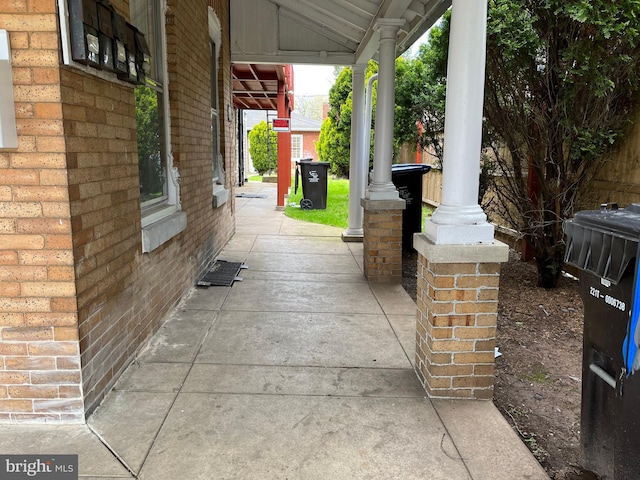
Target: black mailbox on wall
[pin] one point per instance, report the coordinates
(106, 36)
(120, 36)
(132, 74)
(103, 39)
(143, 56)
(85, 43)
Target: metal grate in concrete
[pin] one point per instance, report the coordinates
(222, 274)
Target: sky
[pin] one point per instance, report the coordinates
(312, 79)
(318, 79)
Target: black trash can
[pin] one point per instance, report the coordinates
(604, 245)
(407, 177)
(314, 184)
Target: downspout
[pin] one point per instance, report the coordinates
(366, 137)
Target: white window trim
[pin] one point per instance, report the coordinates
(162, 222)
(220, 192)
(301, 137)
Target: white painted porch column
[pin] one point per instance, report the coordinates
(459, 218)
(381, 187)
(356, 181)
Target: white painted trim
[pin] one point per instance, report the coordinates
(165, 220)
(220, 195)
(8, 129)
(215, 30)
(219, 177)
(163, 230)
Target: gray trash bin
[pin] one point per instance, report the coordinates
(604, 245)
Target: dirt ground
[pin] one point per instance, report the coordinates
(538, 376)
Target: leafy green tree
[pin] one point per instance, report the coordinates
(421, 92)
(561, 91)
(264, 155)
(150, 164)
(560, 94)
(334, 143)
(420, 102)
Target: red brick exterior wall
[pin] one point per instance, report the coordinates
(77, 295)
(309, 140)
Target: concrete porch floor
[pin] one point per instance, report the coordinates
(301, 371)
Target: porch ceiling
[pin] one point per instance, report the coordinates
(329, 32)
(255, 86)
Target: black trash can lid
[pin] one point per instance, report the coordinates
(409, 168)
(603, 241)
(313, 164)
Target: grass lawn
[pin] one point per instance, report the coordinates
(337, 211)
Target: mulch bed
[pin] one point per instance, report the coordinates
(538, 376)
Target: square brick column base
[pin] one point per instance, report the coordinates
(382, 241)
(457, 315)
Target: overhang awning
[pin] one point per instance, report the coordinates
(329, 32)
(255, 86)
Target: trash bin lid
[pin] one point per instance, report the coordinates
(409, 168)
(603, 241)
(315, 164)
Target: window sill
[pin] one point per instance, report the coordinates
(220, 196)
(160, 231)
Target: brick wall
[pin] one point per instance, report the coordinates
(39, 356)
(382, 242)
(77, 295)
(125, 295)
(457, 300)
(309, 140)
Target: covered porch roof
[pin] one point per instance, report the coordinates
(255, 86)
(329, 32)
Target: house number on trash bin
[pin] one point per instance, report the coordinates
(608, 299)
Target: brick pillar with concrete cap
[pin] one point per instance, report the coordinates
(457, 299)
(382, 204)
(458, 258)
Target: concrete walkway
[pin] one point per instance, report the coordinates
(301, 371)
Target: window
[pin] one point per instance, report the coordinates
(218, 171)
(296, 147)
(150, 110)
(220, 193)
(159, 180)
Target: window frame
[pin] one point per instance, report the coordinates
(220, 193)
(165, 219)
(300, 137)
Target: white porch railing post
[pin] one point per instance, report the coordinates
(356, 182)
(459, 219)
(381, 187)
